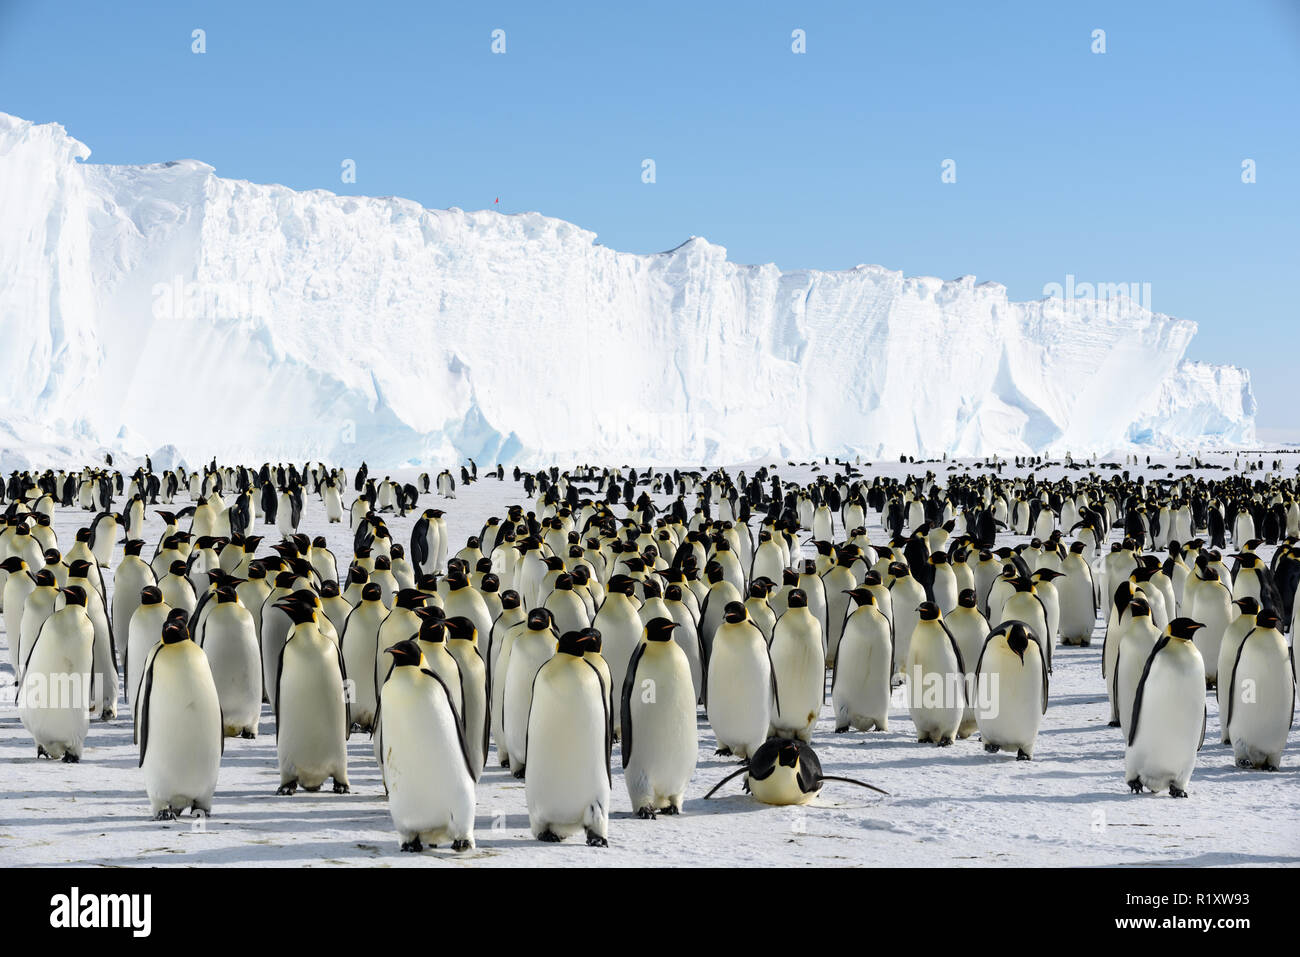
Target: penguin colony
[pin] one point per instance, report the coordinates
(589, 619)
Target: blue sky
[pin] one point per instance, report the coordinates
(1117, 167)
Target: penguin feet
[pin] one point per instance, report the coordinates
(673, 810)
(247, 735)
(1245, 763)
(166, 814)
(70, 758)
(1176, 792)
(518, 773)
(108, 716)
(289, 788)
(646, 813)
(1266, 766)
(943, 742)
(341, 787)
(1112, 724)
(413, 846)
(1021, 756)
(311, 790)
(461, 845)
(550, 837)
(724, 751)
(1085, 642)
(1135, 786)
(991, 748)
(42, 753)
(595, 840)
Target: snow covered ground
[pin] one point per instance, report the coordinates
(950, 806)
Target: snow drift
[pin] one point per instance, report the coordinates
(143, 305)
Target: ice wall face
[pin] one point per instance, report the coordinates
(164, 304)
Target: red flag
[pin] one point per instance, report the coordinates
(497, 200)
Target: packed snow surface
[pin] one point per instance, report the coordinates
(947, 806)
(146, 304)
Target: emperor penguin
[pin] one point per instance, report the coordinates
(784, 772)
(312, 720)
(906, 596)
(534, 645)
(1077, 598)
(970, 629)
(132, 574)
(1025, 604)
(863, 667)
(143, 631)
(660, 741)
(1247, 610)
(686, 634)
(1010, 685)
(567, 606)
(179, 725)
(462, 645)
(1167, 726)
(567, 744)
(740, 686)
(1136, 641)
(1261, 696)
(106, 687)
(1212, 607)
(426, 761)
(20, 583)
(55, 685)
(619, 623)
(359, 640)
(839, 580)
(936, 678)
(798, 669)
(229, 640)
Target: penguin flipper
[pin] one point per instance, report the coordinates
(1141, 689)
(460, 726)
(625, 704)
(142, 728)
(733, 774)
(861, 784)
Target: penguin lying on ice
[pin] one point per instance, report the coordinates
(785, 771)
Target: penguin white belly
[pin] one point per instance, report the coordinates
(310, 742)
(527, 655)
(665, 742)
(54, 702)
(430, 791)
(1010, 710)
(780, 788)
(860, 696)
(1263, 698)
(936, 689)
(183, 753)
(800, 670)
(740, 694)
(567, 785)
(230, 644)
(1169, 727)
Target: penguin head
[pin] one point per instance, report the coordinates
(1248, 605)
(176, 628)
(74, 595)
(660, 629)
(13, 564)
(1138, 607)
(433, 627)
(1267, 619)
(461, 628)
(226, 594)
(79, 569)
(300, 612)
(787, 752)
(1185, 628)
(1047, 574)
(575, 643)
(623, 585)
(967, 598)
(1018, 639)
(861, 596)
(798, 598)
(410, 598)
(151, 595)
(899, 570)
(928, 611)
(405, 653)
(133, 546)
(734, 613)
(539, 619)
(489, 583)
(509, 599)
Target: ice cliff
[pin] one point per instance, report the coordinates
(162, 304)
